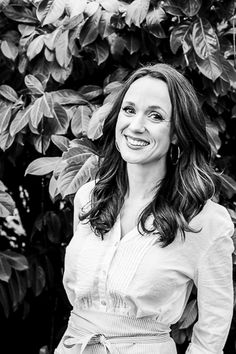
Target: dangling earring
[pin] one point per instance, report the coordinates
(174, 155)
(117, 147)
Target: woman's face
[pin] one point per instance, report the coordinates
(143, 123)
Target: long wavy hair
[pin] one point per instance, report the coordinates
(187, 185)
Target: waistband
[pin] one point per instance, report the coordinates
(89, 328)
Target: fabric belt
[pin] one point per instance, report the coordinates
(85, 334)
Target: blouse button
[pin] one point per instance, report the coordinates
(103, 303)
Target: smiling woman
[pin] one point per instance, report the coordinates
(147, 230)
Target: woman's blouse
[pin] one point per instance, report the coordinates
(135, 277)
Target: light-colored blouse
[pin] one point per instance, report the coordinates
(136, 278)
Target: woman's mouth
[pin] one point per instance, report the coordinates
(135, 141)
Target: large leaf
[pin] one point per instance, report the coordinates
(7, 204)
(90, 30)
(36, 112)
(97, 121)
(80, 169)
(35, 47)
(6, 140)
(137, 12)
(75, 7)
(62, 52)
(9, 93)
(61, 142)
(5, 116)
(50, 38)
(5, 268)
(204, 38)
(229, 185)
(34, 85)
(90, 91)
(80, 120)
(110, 5)
(153, 19)
(54, 10)
(60, 122)
(67, 96)
(9, 49)
(41, 143)
(101, 50)
(105, 28)
(189, 7)
(177, 36)
(21, 120)
(4, 300)
(60, 74)
(190, 315)
(16, 260)
(132, 43)
(20, 13)
(210, 67)
(42, 166)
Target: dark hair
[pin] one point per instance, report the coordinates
(186, 186)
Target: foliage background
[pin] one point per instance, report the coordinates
(61, 63)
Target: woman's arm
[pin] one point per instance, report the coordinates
(215, 298)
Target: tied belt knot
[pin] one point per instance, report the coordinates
(106, 342)
(91, 339)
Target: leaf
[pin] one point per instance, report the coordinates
(137, 12)
(20, 121)
(9, 93)
(190, 315)
(39, 280)
(97, 120)
(50, 38)
(153, 19)
(5, 117)
(62, 52)
(110, 5)
(90, 30)
(190, 7)
(79, 171)
(204, 39)
(213, 136)
(52, 188)
(91, 8)
(19, 13)
(90, 91)
(41, 143)
(34, 85)
(60, 74)
(101, 50)
(9, 49)
(75, 7)
(105, 28)
(177, 36)
(229, 185)
(5, 268)
(54, 10)
(35, 47)
(4, 300)
(229, 72)
(60, 120)
(210, 66)
(6, 140)
(36, 112)
(16, 260)
(53, 227)
(61, 142)
(132, 43)
(80, 120)
(67, 96)
(42, 166)
(26, 30)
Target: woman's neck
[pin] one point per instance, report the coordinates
(143, 183)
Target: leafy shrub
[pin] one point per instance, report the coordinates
(61, 64)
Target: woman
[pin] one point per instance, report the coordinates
(147, 230)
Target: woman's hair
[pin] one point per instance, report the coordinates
(187, 185)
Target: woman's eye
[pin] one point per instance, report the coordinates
(128, 110)
(156, 116)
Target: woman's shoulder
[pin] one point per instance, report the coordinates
(82, 196)
(214, 219)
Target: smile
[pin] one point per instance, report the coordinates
(136, 142)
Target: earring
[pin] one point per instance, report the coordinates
(174, 155)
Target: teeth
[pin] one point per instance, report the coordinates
(136, 141)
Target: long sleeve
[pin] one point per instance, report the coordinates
(215, 298)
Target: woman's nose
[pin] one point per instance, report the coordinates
(137, 123)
